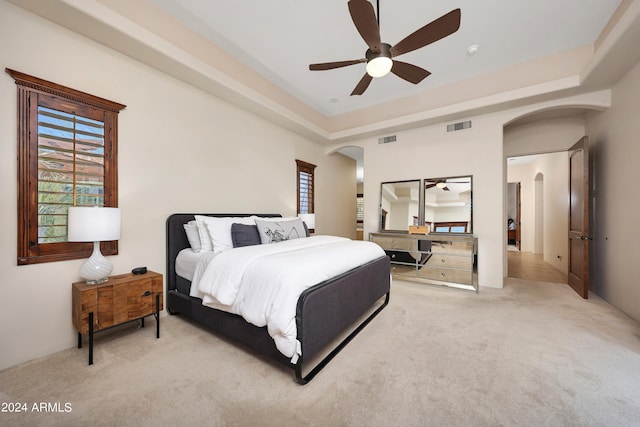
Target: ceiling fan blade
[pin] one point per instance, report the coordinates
(362, 85)
(332, 65)
(432, 32)
(409, 72)
(364, 18)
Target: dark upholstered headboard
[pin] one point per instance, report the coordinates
(177, 239)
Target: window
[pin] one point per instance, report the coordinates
(450, 227)
(67, 156)
(305, 174)
(360, 208)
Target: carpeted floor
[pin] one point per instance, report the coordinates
(531, 354)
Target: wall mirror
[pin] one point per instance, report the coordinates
(399, 205)
(448, 204)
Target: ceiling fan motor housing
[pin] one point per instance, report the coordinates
(379, 63)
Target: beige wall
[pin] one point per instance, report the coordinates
(614, 224)
(431, 152)
(543, 136)
(180, 150)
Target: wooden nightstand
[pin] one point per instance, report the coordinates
(121, 299)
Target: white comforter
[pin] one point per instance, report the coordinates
(262, 283)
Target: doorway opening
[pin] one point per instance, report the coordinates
(537, 194)
(357, 154)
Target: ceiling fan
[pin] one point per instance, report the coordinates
(379, 55)
(442, 184)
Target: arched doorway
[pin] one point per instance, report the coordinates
(357, 154)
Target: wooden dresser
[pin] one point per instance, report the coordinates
(121, 299)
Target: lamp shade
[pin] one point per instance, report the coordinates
(309, 219)
(93, 224)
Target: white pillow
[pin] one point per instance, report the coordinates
(275, 230)
(219, 230)
(205, 240)
(191, 228)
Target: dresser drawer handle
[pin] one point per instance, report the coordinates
(442, 259)
(146, 294)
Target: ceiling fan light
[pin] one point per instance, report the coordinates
(379, 66)
(441, 185)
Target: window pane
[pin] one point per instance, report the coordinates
(360, 208)
(70, 169)
(306, 190)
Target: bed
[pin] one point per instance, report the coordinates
(328, 315)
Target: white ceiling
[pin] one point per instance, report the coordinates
(280, 38)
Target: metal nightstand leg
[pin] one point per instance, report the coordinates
(157, 315)
(91, 338)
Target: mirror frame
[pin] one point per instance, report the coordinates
(445, 179)
(422, 183)
(380, 210)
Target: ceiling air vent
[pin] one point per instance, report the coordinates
(459, 126)
(387, 139)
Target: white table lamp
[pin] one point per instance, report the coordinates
(94, 224)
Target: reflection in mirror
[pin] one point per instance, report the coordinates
(399, 205)
(448, 204)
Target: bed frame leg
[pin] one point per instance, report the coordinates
(304, 380)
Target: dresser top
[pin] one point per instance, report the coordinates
(450, 237)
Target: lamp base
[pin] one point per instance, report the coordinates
(96, 268)
(97, 282)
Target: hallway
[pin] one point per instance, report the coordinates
(526, 265)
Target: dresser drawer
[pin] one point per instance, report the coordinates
(446, 275)
(451, 261)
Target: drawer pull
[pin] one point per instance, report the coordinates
(146, 294)
(442, 259)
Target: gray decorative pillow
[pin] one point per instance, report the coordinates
(272, 231)
(244, 235)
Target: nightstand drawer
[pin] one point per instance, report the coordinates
(140, 299)
(124, 302)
